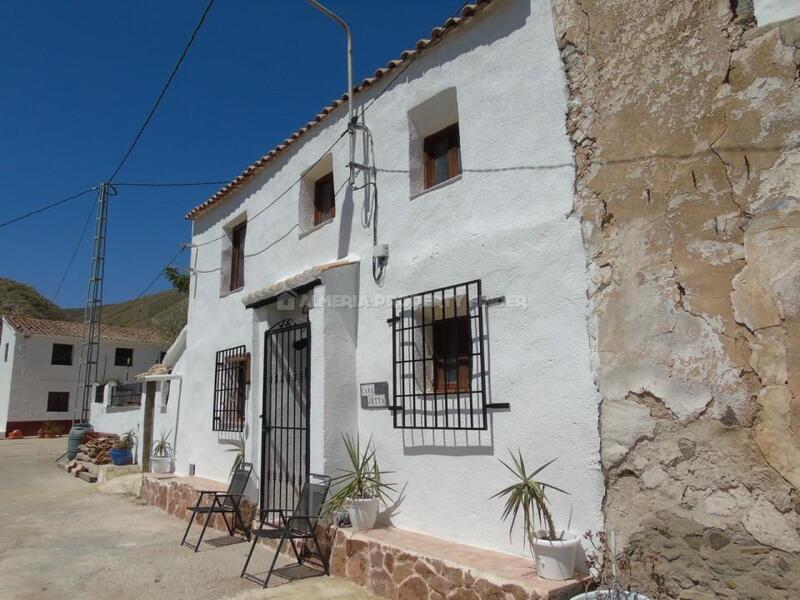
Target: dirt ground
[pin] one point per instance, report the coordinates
(62, 538)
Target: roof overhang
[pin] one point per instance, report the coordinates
(295, 285)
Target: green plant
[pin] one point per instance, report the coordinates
(529, 495)
(51, 427)
(162, 448)
(126, 441)
(362, 480)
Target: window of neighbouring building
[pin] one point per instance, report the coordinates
(99, 391)
(62, 354)
(439, 374)
(442, 152)
(123, 357)
(324, 199)
(5, 353)
(238, 235)
(57, 401)
(231, 376)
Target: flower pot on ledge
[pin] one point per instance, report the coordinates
(555, 559)
(363, 513)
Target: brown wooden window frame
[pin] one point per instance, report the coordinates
(238, 237)
(120, 358)
(62, 398)
(444, 331)
(324, 213)
(62, 355)
(451, 137)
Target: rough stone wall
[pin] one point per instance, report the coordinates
(685, 121)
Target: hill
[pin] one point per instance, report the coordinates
(162, 311)
(18, 298)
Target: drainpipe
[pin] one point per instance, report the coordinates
(350, 125)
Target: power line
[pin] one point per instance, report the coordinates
(48, 207)
(281, 195)
(74, 251)
(163, 90)
(161, 272)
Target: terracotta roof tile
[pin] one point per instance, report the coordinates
(74, 329)
(467, 12)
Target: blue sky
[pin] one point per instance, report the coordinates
(78, 78)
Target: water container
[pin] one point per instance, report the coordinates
(75, 438)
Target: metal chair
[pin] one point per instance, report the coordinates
(224, 503)
(297, 524)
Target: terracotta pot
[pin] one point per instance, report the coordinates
(15, 435)
(49, 435)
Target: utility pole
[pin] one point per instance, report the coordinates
(90, 347)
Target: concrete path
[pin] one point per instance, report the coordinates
(61, 538)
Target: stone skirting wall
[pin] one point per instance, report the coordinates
(685, 123)
(392, 572)
(173, 495)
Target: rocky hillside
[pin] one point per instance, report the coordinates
(163, 311)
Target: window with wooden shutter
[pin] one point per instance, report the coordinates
(238, 235)
(231, 376)
(324, 199)
(442, 156)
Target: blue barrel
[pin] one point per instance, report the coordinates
(75, 438)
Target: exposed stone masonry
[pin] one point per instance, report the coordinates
(685, 122)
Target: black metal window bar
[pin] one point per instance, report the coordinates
(230, 389)
(439, 377)
(127, 394)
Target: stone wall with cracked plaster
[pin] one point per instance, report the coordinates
(685, 122)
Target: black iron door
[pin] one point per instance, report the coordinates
(285, 414)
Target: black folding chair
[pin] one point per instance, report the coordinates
(297, 524)
(224, 503)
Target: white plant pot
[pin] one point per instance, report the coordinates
(556, 559)
(160, 464)
(609, 595)
(363, 513)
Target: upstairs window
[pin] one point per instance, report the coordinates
(62, 354)
(57, 401)
(5, 353)
(231, 376)
(439, 374)
(238, 235)
(324, 199)
(123, 357)
(442, 156)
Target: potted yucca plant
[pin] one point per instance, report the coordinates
(161, 459)
(361, 487)
(122, 451)
(553, 550)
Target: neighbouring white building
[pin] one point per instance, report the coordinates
(39, 364)
(439, 308)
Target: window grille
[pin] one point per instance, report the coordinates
(439, 379)
(230, 389)
(126, 394)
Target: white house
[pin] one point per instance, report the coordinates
(39, 364)
(438, 308)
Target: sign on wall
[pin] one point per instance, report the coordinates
(375, 395)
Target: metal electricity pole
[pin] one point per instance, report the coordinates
(90, 347)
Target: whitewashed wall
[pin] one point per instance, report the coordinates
(505, 221)
(771, 11)
(7, 345)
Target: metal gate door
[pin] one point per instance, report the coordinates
(285, 414)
